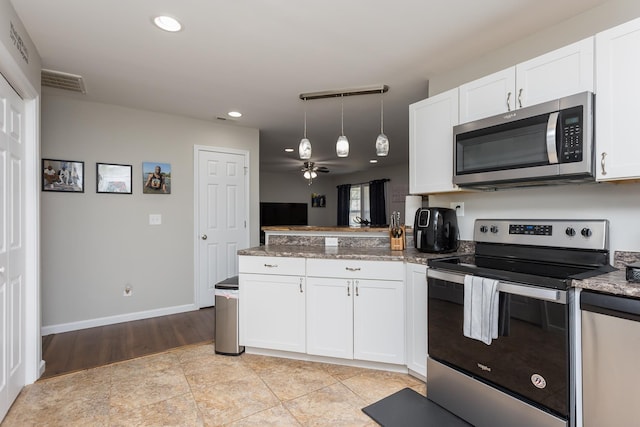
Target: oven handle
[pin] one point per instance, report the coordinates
(506, 287)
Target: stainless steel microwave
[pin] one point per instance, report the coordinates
(550, 142)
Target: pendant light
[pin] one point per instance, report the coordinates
(304, 149)
(382, 142)
(342, 145)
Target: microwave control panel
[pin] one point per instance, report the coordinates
(571, 135)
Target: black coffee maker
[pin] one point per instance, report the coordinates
(435, 230)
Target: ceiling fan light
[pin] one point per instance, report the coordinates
(382, 145)
(342, 146)
(304, 149)
(313, 174)
(307, 175)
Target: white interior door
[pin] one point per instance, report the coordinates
(222, 217)
(12, 253)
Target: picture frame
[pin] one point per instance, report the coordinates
(65, 176)
(318, 200)
(113, 178)
(156, 178)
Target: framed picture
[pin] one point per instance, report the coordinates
(318, 200)
(113, 178)
(156, 178)
(62, 175)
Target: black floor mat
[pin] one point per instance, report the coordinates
(408, 408)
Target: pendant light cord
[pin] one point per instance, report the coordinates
(381, 112)
(305, 118)
(342, 114)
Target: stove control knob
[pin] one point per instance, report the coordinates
(570, 232)
(483, 229)
(494, 229)
(586, 232)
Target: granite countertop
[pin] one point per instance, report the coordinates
(610, 283)
(317, 228)
(410, 255)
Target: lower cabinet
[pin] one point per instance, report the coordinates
(360, 319)
(416, 286)
(272, 306)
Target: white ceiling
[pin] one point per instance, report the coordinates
(257, 56)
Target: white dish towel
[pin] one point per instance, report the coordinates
(480, 308)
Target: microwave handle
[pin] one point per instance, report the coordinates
(552, 124)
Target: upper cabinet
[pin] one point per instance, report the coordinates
(431, 124)
(618, 86)
(559, 73)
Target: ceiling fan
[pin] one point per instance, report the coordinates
(310, 170)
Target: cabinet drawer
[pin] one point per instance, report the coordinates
(381, 270)
(272, 265)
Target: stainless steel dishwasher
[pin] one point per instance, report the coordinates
(610, 348)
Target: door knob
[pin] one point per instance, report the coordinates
(204, 237)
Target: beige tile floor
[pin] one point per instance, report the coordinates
(193, 386)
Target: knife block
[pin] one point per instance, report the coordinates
(397, 243)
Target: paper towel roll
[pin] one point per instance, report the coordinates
(411, 205)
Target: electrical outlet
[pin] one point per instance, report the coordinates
(459, 207)
(331, 241)
(128, 291)
(155, 219)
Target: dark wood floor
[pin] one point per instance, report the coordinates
(89, 348)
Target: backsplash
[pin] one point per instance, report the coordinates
(621, 258)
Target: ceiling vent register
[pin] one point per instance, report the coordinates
(64, 81)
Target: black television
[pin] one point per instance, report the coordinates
(272, 213)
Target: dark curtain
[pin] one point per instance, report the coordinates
(377, 202)
(344, 191)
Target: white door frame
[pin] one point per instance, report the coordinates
(196, 208)
(34, 365)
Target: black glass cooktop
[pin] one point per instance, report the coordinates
(545, 274)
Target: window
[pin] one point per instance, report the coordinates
(359, 204)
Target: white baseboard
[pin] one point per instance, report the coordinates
(128, 317)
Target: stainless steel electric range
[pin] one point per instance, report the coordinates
(525, 376)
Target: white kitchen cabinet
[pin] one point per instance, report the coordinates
(431, 124)
(272, 303)
(416, 305)
(356, 318)
(559, 73)
(618, 88)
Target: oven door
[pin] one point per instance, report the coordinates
(530, 360)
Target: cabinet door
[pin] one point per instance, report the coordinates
(562, 72)
(618, 86)
(488, 96)
(378, 321)
(416, 306)
(272, 312)
(431, 124)
(330, 317)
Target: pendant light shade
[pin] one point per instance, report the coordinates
(304, 149)
(342, 145)
(382, 142)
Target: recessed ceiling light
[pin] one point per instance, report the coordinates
(235, 114)
(167, 23)
(373, 161)
(289, 150)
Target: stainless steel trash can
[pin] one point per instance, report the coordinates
(226, 339)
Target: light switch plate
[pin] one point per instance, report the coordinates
(155, 219)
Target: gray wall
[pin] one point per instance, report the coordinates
(620, 203)
(94, 244)
(291, 187)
